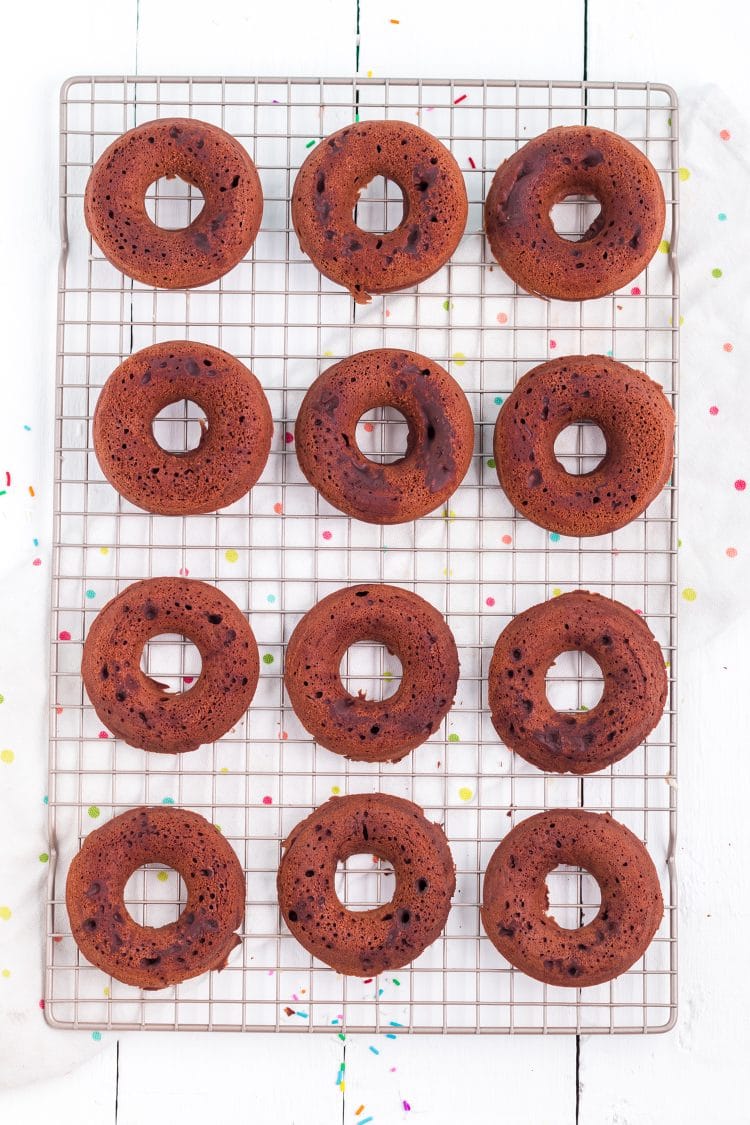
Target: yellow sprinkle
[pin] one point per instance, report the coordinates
(663, 246)
(231, 555)
(465, 793)
(684, 174)
(5, 913)
(6, 756)
(104, 550)
(224, 769)
(556, 591)
(5, 973)
(689, 594)
(447, 572)
(326, 354)
(162, 876)
(342, 1086)
(335, 789)
(369, 74)
(449, 514)
(459, 359)
(105, 990)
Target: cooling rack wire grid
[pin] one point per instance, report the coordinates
(281, 548)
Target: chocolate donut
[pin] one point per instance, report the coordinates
(363, 729)
(327, 188)
(632, 666)
(638, 426)
(153, 957)
(515, 898)
(439, 445)
(575, 160)
(365, 942)
(234, 444)
(138, 709)
(200, 154)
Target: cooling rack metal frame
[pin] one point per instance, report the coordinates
(281, 548)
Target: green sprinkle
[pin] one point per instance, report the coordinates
(447, 306)
(397, 982)
(453, 738)
(43, 857)
(341, 1035)
(490, 462)
(716, 273)
(267, 658)
(94, 811)
(310, 144)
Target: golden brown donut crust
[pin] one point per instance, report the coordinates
(632, 665)
(235, 441)
(638, 425)
(515, 899)
(328, 186)
(200, 154)
(365, 942)
(363, 729)
(573, 160)
(137, 708)
(153, 957)
(439, 445)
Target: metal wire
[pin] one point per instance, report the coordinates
(280, 549)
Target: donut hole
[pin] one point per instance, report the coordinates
(573, 216)
(382, 435)
(172, 203)
(380, 207)
(155, 895)
(179, 427)
(369, 668)
(173, 661)
(574, 682)
(574, 896)
(364, 881)
(580, 448)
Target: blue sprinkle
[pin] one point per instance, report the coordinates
(498, 400)
(96, 1036)
(334, 1021)
(303, 1014)
(554, 536)
(167, 800)
(390, 1035)
(380, 992)
(271, 598)
(36, 542)
(721, 217)
(395, 1023)
(27, 427)
(375, 1051)
(46, 800)
(365, 1120)
(610, 353)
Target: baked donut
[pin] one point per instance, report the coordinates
(235, 441)
(362, 943)
(327, 188)
(369, 730)
(153, 957)
(200, 154)
(138, 709)
(515, 898)
(638, 426)
(573, 160)
(632, 666)
(439, 445)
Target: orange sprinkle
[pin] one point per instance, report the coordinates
(395, 21)
(31, 491)
(358, 1111)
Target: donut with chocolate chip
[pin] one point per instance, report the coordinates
(362, 943)
(154, 957)
(515, 900)
(140, 710)
(575, 160)
(328, 186)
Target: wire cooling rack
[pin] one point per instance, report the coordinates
(280, 549)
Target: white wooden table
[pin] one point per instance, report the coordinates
(680, 1077)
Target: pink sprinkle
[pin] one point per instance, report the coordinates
(278, 507)
(7, 479)
(64, 635)
(507, 539)
(728, 347)
(387, 312)
(184, 571)
(490, 601)
(713, 410)
(283, 735)
(269, 801)
(188, 679)
(740, 485)
(406, 1105)
(553, 343)
(103, 734)
(288, 438)
(731, 552)
(462, 98)
(502, 318)
(37, 562)
(368, 981)
(369, 427)
(639, 612)
(725, 135)
(328, 535)
(472, 163)
(635, 291)
(41, 1004)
